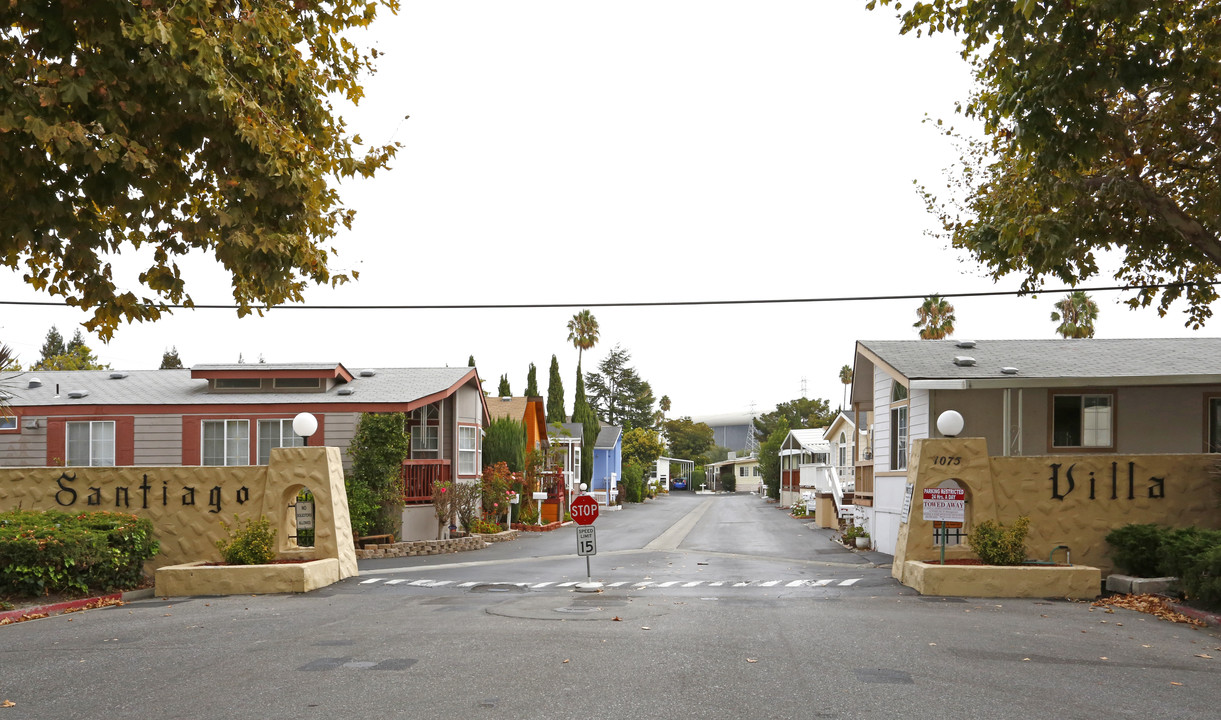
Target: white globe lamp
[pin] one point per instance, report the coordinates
(949, 423)
(305, 424)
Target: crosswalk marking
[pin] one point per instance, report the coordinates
(429, 583)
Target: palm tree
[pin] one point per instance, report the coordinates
(583, 332)
(1076, 314)
(845, 376)
(936, 318)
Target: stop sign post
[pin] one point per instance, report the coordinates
(584, 511)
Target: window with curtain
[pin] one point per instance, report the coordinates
(1082, 421)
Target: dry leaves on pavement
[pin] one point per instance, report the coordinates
(1149, 604)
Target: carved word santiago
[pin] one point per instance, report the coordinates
(1156, 489)
(67, 495)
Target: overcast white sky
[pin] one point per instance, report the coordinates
(576, 152)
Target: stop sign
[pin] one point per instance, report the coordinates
(584, 510)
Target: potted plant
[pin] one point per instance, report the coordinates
(862, 539)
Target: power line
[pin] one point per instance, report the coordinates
(653, 303)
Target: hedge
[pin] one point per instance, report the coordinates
(56, 552)
(1191, 554)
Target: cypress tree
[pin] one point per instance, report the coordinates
(583, 413)
(532, 382)
(555, 394)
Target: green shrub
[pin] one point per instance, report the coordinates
(1182, 548)
(251, 544)
(633, 483)
(484, 527)
(527, 514)
(364, 507)
(1136, 548)
(1202, 580)
(997, 545)
(45, 552)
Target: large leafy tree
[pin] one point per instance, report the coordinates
(796, 414)
(1102, 124)
(1076, 313)
(935, 318)
(690, 440)
(618, 393)
(769, 458)
(203, 125)
(75, 355)
(53, 345)
(582, 333)
(555, 394)
(642, 446)
(170, 359)
(375, 491)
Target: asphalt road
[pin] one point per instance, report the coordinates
(362, 649)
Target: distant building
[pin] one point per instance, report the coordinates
(730, 430)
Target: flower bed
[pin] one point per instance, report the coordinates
(538, 528)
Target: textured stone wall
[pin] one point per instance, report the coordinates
(1072, 500)
(187, 504)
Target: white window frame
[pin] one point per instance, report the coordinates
(100, 449)
(1090, 421)
(468, 450)
(8, 422)
(898, 437)
(286, 437)
(236, 447)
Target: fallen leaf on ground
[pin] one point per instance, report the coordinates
(1174, 683)
(565, 660)
(1149, 604)
(1206, 657)
(616, 619)
(645, 627)
(8, 703)
(749, 660)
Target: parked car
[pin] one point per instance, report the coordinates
(678, 484)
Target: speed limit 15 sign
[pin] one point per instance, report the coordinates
(587, 543)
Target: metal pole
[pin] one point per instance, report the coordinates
(944, 537)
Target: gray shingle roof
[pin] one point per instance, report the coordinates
(177, 387)
(1055, 359)
(576, 430)
(607, 436)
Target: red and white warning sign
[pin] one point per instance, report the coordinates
(945, 504)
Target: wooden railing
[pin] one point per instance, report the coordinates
(418, 477)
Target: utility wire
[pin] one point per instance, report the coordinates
(651, 303)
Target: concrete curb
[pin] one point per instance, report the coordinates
(37, 613)
(1211, 619)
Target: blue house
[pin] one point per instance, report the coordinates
(608, 464)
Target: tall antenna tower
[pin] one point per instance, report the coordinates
(752, 443)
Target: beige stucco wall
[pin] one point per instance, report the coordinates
(1173, 490)
(187, 504)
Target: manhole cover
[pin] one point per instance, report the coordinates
(577, 609)
(494, 588)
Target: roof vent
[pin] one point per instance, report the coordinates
(505, 398)
(965, 344)
(346, 391)
(368, 373)
(34, 382)
(117, 375)
(964, 361)
(78, 394)
(1009, 370)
